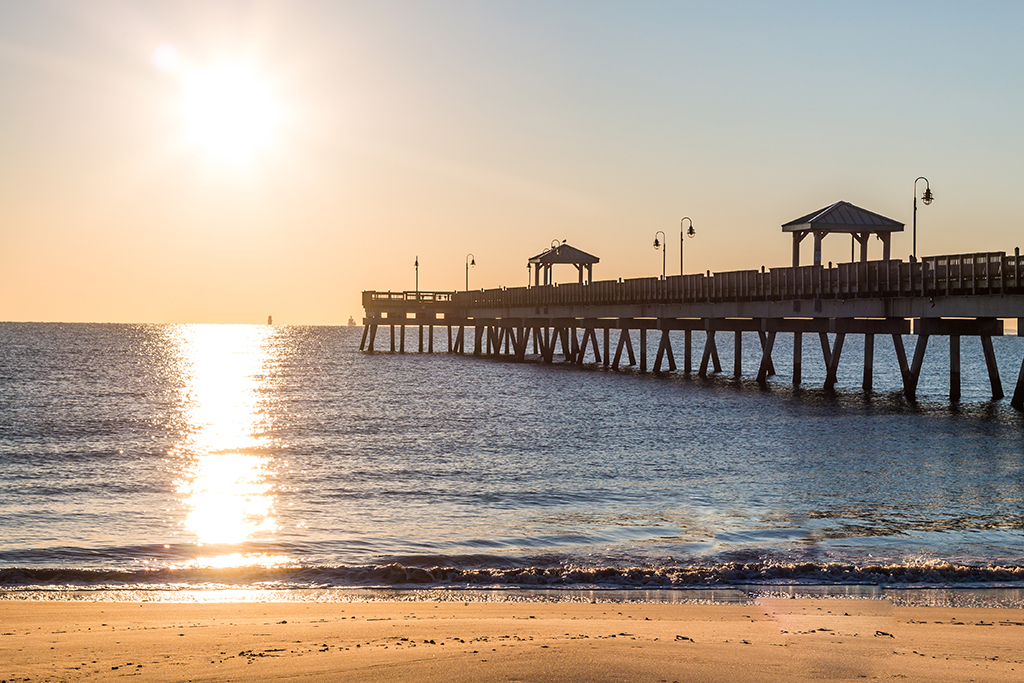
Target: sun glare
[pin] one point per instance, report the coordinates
(228, 467)
(230, 111)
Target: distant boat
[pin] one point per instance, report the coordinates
(351, 321)
(270, 320)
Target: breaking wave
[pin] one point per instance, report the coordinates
(427, 575)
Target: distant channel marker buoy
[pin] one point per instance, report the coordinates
(270, 320)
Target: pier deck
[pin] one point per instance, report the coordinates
(952, 295)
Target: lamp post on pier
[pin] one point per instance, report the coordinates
(689, 233)
(417, 265)
(927, 198)
(660, 245)
(470, 261)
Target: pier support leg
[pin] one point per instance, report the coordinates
(709, 352)
(915, 368)
(574, 345)
(688, 351)
(450, 339)
(1018, 393)
(869, 362)
(430, 335)
(737, 359)
(508, 333)
(392, 338)
(954, 367)
(715, 361)
(766, 359)
(478, 340)
(625, 342)
(763, 336)
(901, 358)
(607, 340)
(798, 358)
(401, 338)
(547, 345)
(421, 338)
(833, 365)
(643, 350)
(826, 351)
(664, 349)
(373, 335)
(536, 341)
(362, 344)
(993, 370)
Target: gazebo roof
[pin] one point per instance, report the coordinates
(843, 217)
(563, 253)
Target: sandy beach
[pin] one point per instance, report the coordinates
(772, 640)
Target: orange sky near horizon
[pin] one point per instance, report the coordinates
(226, 161)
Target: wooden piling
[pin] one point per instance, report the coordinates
(687, 353)
(643, 350)
(869, 362)
(1018, 393)
(954, 367)
(762, 336)
(993, 370)
(766, 355)
(901, 358)
(737, 359)
(798, 355)
(915, 369)
(833, 364)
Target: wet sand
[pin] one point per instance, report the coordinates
(772, 640)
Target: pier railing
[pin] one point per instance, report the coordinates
(984, 273)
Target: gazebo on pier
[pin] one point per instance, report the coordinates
(842, 217)
(562, 253)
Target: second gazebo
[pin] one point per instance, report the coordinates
(846, 218)
(562, 253)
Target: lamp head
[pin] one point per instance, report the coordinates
(472, 262)
(691, 232)
(927, 196)
(657, 244)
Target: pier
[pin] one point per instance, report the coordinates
(954, 295)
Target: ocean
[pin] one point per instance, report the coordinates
(234, 460)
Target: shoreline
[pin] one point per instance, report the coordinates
(772, 639)
(986, 597)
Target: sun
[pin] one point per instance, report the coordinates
(230, 111)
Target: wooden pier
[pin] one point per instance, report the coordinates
(954, 295)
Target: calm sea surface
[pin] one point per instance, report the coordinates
(138, 457)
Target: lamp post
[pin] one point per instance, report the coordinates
(417, 264)
(689, 233)
(927, 199)
(660, 245)
(470, 261)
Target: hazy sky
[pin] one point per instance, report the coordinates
(224, 161)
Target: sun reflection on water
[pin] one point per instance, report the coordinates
(226, 484)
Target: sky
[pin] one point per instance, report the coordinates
(219, 162)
